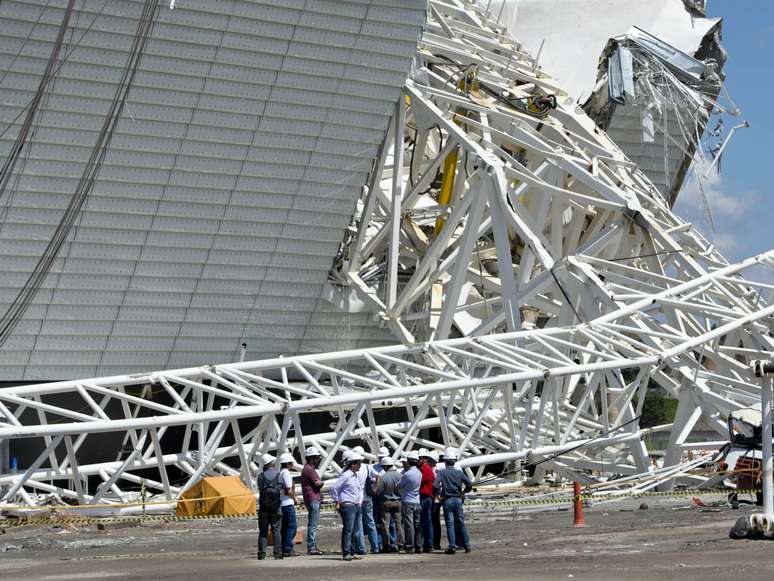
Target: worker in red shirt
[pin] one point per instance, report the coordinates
(426, 499)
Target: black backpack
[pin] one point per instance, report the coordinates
(271, 490)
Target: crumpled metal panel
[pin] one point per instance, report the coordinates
(247, 137)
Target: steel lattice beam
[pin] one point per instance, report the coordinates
(538, 282)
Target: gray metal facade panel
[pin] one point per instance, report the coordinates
(246, 139)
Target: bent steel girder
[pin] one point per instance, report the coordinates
(570, 395)
(538, 282)
(480, 198)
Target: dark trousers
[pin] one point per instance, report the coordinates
(437, 526)
(266, 520)
(426, 518)
(412, 529)
(391, 519)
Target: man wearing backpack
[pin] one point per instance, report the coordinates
(269, 512)
(288, 503)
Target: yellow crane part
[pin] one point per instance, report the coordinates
(447, 186)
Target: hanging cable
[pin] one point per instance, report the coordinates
(22, 301)
(21, 138)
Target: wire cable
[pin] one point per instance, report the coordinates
(26, 295)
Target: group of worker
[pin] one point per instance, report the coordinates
(395, 507)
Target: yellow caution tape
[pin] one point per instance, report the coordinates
(485, 504)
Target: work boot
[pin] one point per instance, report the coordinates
(357, 557)
(348, 557)
(290, 554)
(261, 556)
(450, 551)
(315, 551)
(467, 550)
(278, 557)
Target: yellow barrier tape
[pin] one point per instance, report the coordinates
(486, 504)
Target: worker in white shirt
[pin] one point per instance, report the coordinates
(288, 504)
(347, 493)
(368, 476)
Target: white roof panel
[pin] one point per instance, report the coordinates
(247, 136)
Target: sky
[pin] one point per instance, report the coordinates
(741, 197)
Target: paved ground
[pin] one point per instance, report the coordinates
(666, 542)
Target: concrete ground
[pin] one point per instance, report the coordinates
(670, 540)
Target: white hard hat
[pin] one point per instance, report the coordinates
(286, 457)
(345, 456)
(450, 453)
(383, 452)
(354, 457)
(312, 451)
(267, 458)
(359, 450)
(387, 461)
(424, 453)
(434, 455)
(413, 455)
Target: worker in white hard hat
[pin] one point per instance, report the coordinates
(311, 490)
(379, 468)
(389, 496)
(269, 512)
(451, 485)
(288, 501)
(436, 513)
(368, 524)
(347, 493)
(426, 499)
(409, 503)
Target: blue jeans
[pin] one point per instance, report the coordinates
(426, 519)
(314, 519)
(289, 527)
(455, 518)
(368, 527)
(350, 516)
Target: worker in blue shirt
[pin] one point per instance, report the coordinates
(451, 485)
(409, 503)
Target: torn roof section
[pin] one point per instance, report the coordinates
(655, 102)
(649, 73)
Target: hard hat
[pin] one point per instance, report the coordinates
(312, 451)
(286, 457)
(359, 450)
(345, 456)
(434, 455)
(412, 455)
(450, 453)
(424, 453)
(354, 457)
(383, 452)
(387, 461)
(267, 458)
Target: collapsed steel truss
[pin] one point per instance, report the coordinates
(498, 213)
(568, 393)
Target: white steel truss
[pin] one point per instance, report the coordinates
(538, 281)
(566, 394)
